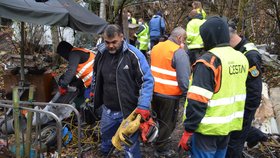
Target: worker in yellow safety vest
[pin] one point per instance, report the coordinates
(194, 41)
(131, 20)
(216, 98)
(142, 35)
(198, 7)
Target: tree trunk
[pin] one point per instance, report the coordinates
(102, 12)
(241, 14)
(55, 41)
(125, 25)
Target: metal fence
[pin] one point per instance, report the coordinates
(9, 104)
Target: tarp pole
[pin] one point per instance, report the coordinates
(29, 123)
(16, 120)
(22, 53)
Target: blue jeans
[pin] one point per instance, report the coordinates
(203, 146)
(110, 122)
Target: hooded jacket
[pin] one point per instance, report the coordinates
(214, 33)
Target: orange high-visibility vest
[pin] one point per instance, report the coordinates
(84, 70)
(162, 71)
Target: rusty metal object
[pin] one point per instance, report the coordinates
(43, 84)
(5, 103)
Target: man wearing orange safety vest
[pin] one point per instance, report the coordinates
(79, 69)
(171, 70)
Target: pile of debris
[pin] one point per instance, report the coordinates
(267, 117)
(33, 64)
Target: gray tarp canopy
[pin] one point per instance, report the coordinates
(53, 12)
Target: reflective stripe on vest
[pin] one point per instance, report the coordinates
(249, 47)
(162, 71)
(84, 70)
(226, 107)
(203, 92)
(143, 38)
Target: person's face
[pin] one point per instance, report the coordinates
(193, 6)
(231, 37)
(114, 43)
(231, 41)
(140, 21)
(182, 39)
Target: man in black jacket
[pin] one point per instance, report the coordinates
(253, 91)
(123, 82)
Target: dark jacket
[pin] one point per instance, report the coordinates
(74, 58)
(133, 78)
(214, 33)
(254, 80)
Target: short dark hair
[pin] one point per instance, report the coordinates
(111, 30)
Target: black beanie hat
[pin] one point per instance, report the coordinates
(63, 49)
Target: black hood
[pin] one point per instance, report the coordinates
(214, 32)
(63, 49)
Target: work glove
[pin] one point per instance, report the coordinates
(185, 141)
(62, 90)
(145, 114)
(91, 94)
(147, 123)
(145, 128)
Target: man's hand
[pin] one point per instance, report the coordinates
(62, 90)
(146, 128)
(185, 141)
(147, 123)
(145, 114)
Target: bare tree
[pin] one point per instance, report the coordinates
(55, 41)
(102, 11)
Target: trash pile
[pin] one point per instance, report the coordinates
(267, 117)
